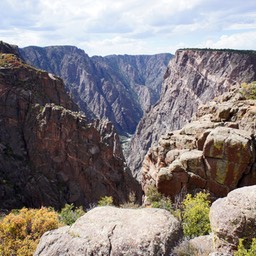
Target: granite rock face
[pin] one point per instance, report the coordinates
(215, 151)
(117, 87)
(50, 154)
(194, 77)
(114, 231)
(233, 217)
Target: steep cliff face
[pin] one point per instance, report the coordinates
(50, 154)
(215, 151)
(193, 77)
(116, 87)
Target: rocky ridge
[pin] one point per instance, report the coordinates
(117, 87)
(193, 77)
(50, 154)
(215, 151)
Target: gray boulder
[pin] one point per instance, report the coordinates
(114, 231)
(199, 246)
(234, 217)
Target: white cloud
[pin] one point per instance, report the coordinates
(245, 40)
(127, 26)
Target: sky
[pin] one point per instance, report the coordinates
(104, 27)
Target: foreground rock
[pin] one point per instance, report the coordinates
(194, 77)
(215, 151)
(234, 217)
(198, 246)
(114, 231)
(50, 154)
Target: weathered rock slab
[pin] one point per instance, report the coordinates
(234, 217)
(114, 231)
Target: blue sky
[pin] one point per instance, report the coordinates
(103, 27)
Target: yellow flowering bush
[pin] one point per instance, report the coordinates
(20, 232)
(195, 215)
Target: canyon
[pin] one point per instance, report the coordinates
(120, 88)
(60, 143)
(46, 140)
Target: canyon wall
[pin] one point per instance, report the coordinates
(51, 154)
(193, 77)
(119, 88)
(214, 152)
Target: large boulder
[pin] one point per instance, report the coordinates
(229, 154)
(234, 217)
(114, 231)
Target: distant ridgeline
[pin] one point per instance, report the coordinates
(220, 50)
(120, 88)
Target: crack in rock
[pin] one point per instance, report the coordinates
(110, 234)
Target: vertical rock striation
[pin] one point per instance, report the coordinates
(193, 77)
(117, 87)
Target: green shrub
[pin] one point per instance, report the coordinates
(105, 200)
(20, 232)
(164, 203)
(153, 195)
(69, 214)
(249, 90)
(195, 215)
(246, 250)
(157, 200)
(193, 212)
(131, 202)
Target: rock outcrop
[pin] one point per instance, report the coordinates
(50, 154)
(118, 87)
(7, 48)
(215, 151)
(114, 231)
(193, 77)
(232, 218)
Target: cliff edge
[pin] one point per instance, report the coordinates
(50, 154)
(193, 77)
